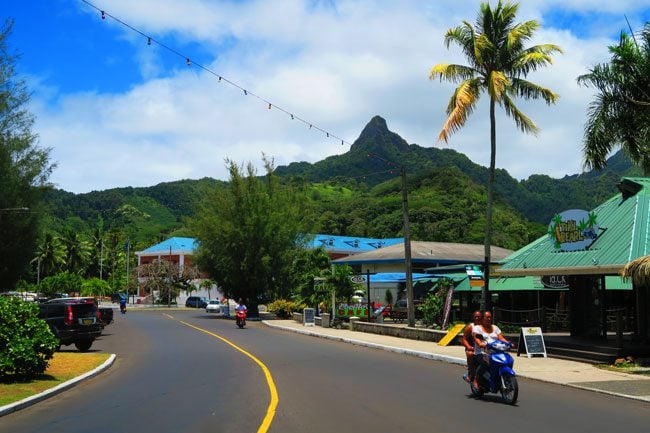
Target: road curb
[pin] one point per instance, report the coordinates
(443, 358)
(426, 355)
(13, 407)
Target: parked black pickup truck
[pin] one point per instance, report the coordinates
(73, 321)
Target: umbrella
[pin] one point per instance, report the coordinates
(638, 270)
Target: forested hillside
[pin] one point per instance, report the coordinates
(359, 194)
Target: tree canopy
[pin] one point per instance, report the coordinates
(249, 233)
(24, 170)
(498, 61)
(619, 116)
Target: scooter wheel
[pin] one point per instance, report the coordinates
(510, 393)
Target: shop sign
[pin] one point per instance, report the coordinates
(573, 230)
(359, 279)
(555, 281)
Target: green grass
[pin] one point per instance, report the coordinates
(62, 367)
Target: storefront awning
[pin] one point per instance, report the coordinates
(518, 284)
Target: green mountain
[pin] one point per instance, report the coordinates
(358, 193)
(378, 153)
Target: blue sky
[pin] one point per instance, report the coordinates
(118, 112)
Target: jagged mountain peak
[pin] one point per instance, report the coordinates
(376, 136)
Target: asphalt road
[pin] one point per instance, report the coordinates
(171, 377)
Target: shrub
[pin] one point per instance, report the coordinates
(431, 309)
(26, 342)
(95, 287)
(283, 308)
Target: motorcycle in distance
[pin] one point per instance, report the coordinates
(240, 317)
(123, 306)
(495, 374)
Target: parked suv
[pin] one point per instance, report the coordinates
(72, 320)
(196, 302)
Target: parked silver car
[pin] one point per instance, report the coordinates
(214, 306)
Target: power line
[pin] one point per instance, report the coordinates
(221, 78)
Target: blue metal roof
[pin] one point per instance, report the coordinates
(395, 277)
(329, 242)
(176, 245)
(352, 244)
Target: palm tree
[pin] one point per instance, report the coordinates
(207, 285)
(498, 63)
(77, 250)
(620, 114)
(50, 256)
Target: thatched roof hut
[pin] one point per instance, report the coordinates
(638, 270)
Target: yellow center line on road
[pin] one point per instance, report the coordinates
(273, 404)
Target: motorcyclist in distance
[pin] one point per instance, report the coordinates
(241, 306)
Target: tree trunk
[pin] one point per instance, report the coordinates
(486, 303)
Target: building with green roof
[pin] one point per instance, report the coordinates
(586, 247)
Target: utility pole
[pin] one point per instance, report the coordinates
(407, 252)
(169, 276)
(101, 259)
(128, 246)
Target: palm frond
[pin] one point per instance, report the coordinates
(528, 90)
(460, 106)
(451, 72)
(524, 123)
(497, 85)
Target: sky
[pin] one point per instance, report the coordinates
(117, 111)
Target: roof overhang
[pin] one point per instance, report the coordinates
(575, 270)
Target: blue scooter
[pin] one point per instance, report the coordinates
(495, 374)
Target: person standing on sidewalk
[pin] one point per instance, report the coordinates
(468, 342)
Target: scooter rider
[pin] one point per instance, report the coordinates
(485, 333)
(468, 342)
(241, 306)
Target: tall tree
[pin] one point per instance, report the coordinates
(619, 116)
(24, 170)
(499, 61)
(77, 250)
(50, 256)
(249, 234)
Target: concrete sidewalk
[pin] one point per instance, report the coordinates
(553, 370)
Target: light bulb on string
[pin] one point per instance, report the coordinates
(104, 14)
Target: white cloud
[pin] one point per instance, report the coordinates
(334, 64)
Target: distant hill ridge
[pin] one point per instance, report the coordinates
(377, 150)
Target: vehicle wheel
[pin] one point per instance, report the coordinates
(83, 345)
(511, 390)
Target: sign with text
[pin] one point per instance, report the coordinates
(308, 317)
(531, 340)
(573, 230)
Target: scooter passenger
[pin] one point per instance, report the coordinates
(484, 333)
